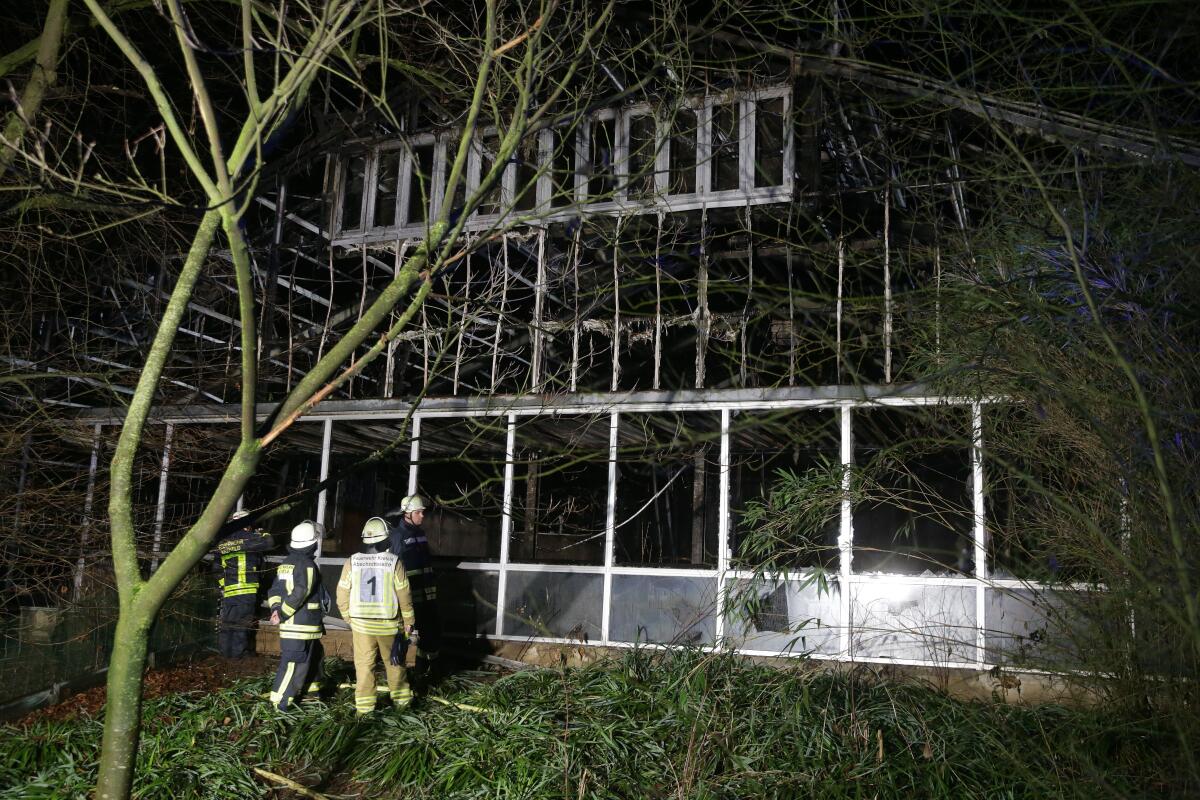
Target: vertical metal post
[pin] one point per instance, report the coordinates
(500, 312)
(723, 528)
(610, 522)
(23, 476)
(841, 264)
(539, 297)
(791, 317)
(703, 318)
(846, 532)
(937, 302)
(462, 331)
(389, 389)
(980, 528)
(743, 327)
(414, 454)
(616, 335)
(887, 285)
(161, 511)
(322, 497)
(746, 152)
(510, 449)
(658, 320)
(1126, 534)
(87, 514)
(575, 323)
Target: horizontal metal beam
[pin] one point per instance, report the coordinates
(783, 397)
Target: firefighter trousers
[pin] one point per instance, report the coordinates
(235, 637)
(300, 670)
(366, 649)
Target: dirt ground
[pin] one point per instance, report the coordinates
(199, 674)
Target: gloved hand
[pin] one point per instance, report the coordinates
(399, 650)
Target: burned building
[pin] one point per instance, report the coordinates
(687, 382)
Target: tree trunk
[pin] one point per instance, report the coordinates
(123, 710)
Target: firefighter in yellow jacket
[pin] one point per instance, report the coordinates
(373, 597)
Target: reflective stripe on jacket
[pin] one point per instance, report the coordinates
(373, 594)
(240, 562)
(409, 542)
(296, 595)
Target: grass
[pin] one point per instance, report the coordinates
(678, 724)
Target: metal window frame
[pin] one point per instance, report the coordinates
(724, 572)
(661, 201)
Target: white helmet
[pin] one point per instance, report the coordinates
(375, 530)
(414, 502)
(239, 514)
(305, 533)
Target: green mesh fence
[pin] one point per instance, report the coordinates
(41, 647)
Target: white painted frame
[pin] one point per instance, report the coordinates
(745, 194)
(724, 572)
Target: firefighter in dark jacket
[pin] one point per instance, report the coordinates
(239, 564)
(297, 603)
(408, 541)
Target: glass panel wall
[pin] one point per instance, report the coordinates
(554, 604)
(915, 622)
(793, 617)
(663, 610)
(909, 596)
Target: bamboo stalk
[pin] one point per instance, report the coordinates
(290, 784)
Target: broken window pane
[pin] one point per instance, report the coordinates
(360, 491)
(352, 194)
(387, 187)
(1038, 627)
(458, 200)
(668, 489)
(288, 472)
(488, 145)
(642, 152)
(597, 301)
(724, 173)
(891, 619)
(682, 152)
(525, 187)
(554, 604)
(420, 188)
(467, 600)
(462, 475)
(768, 142)
(562, 178)
(785, 489)
(785, 616)
(1019, 492)
(560, 490)
(602, 178)
(915, 513)
(199, 456)
(664, 610)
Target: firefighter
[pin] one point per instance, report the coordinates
(373, 596)
(239, 565)
(297, 603)
(409, 543)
